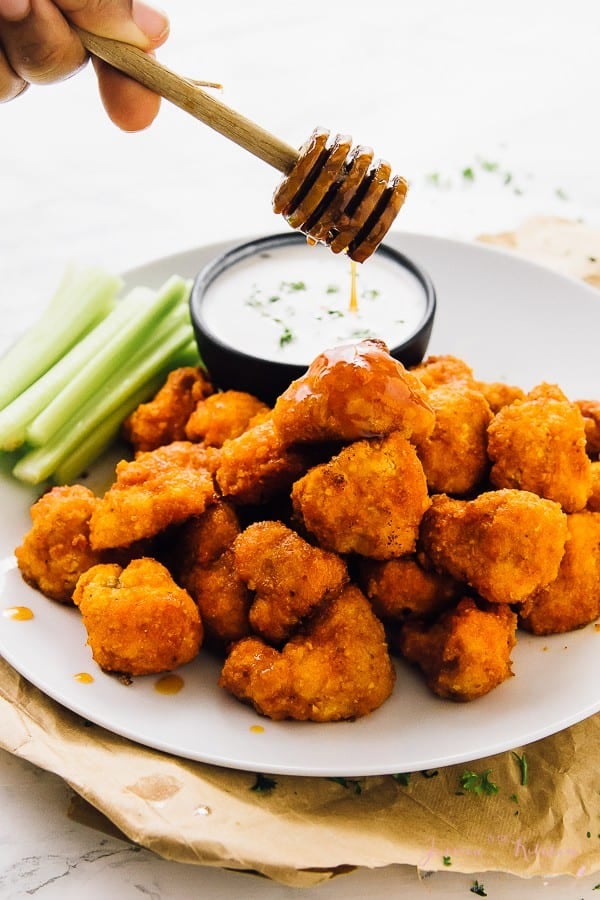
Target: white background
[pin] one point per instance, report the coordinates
(433, 86)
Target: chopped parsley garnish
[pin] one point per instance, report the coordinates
(477, 888)
(522, 760)
(286, 337)
(447, 860)
(468, 173)
(561, 194)
(370, 293)
(293, 285)
(332, 289)
(263, 784)
(274, 298)
(348, 783)
(335, 313)
(478, 782)
(402, 778)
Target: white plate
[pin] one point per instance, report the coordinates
(509, 319)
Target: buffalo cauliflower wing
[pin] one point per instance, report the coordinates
(353, 392)
(138, 621)
(466, 652)
(505, 544)
(289, 577)
(57, 549)
(338, 668)
(369, 499)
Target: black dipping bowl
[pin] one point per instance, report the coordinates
(231, 368)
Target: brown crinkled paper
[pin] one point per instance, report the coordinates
(304, 831)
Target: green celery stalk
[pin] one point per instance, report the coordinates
(87, 365)
(83, 297)
(102, 437)
(99, 440)
(153, 358)
(114, 356)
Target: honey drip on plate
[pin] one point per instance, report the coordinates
(18, 613)
(353, 294)
(169, 684)
(257, 729)
(84, 677)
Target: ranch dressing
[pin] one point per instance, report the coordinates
(288, 303)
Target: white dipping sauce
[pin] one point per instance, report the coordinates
(290, 303)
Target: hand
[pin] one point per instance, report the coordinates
(38, 46)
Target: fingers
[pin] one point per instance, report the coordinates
(133, 22)
(39, 47)
(128, 104)
(10, 83)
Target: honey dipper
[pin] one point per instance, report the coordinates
(334, 193)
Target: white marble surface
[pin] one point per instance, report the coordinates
(435, 87)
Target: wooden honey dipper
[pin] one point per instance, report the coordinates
(334, 193)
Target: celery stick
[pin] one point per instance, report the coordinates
(112, 357)
(102, 437)
(99, 440)
(83, 297)
(84, 368)
(152, 359)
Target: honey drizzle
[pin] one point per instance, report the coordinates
(18, 613)
(84, 677)
(353, 294)
(169, 684)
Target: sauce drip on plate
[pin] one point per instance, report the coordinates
(18, 613)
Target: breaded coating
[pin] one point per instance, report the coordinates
(338, 668)
(159, 488)
(223, 416)
(506, 544)
(572, 600)
(539, 444)
(369, 499)
(466, 653)
(257, 465)
(202, 539)
(223, 600)
(401, 588)
(352, 392)
(290, 577)
(447, 369)
(138, 620)
(454, 456)
(162, 420)
(202, 562)
(590, 409)
(56, 550)
(499, 394)
(594, 499)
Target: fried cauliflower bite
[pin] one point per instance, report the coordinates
(351, 392)
(539, 444)
(369, 499)
(157, 489)
(257, 465)
(594, 498)
(505, 544)
(454, 456)
(138, 621)
(499, 394)
(338, 668)
(289, 576)
(163, 419)
(202, 562)
(57, 548)
(437, 370)
(590, 410)
(466, 653)
(401, 588)
(572, 600)
(222, 416)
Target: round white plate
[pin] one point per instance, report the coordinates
(510, 320)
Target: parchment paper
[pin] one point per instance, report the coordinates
(303, 831)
